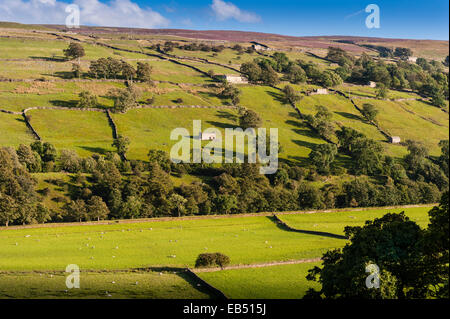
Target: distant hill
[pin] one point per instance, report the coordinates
(432, 49)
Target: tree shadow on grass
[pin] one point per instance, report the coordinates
(303, 129)
(351, 116)
(308, 145)
(49, 59)
(227, 115)
(61, 103)
(283, 226)
(97, 150)
(279, 97)
(221, 125)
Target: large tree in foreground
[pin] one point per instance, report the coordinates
(412, 263)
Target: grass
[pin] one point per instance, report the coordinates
(245, 240)
(84, 132)
(223, 57)
(129, 285)
(274, 282)
(295, 137)
(398, 122)
(177, 243)
(139, 126)
(345, 114)
(335, 222)
(13, 130)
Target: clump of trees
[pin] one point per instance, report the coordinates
(260, 71)
(321, 122)
(418, 269)
(74, 51)
(249, 119)
(370, 112)
(208, 260)
(125, 99)
(290, 95)
(87, 100)
(426, 78)
(111, 68)
(227, 91)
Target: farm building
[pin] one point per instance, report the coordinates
(259, 46)
(234, 79)
(395, 139)
(208, 136)
(412, 59)
(319, 91)
(372, 84)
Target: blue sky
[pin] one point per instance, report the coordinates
(398, 19)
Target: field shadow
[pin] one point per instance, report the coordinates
(221, 125)
(61, 103)
(48, 59)
(283, 226)
(279, 97)
(302, 129)
(351, 116)
(97, 150)
(308, 145)
(227, 115)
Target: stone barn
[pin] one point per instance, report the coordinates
(259, 46)
(208, 136)
(395, 139)
(234, 79)
(319, 91)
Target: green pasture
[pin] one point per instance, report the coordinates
(223, 57)
(274, 282)
(246, 240)
(84, 132)
(151, 128)
(13, 130)
(101, 285)
(398, 122)
(430, 112)
(296, 138)
(335, 222)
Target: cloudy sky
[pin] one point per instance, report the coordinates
(398, 19)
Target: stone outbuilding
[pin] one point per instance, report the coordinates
(319, 92)
(395, 139)
(259, 46)
(208, 136)
(234, 79)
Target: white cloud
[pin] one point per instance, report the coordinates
(227, 10)
(115, 13)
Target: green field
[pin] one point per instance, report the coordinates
(274, 282)
(101, 285)
(398, 122)
(40, 252)
(13, 130)
(121, 246)
(335, 222)
(85, 132)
